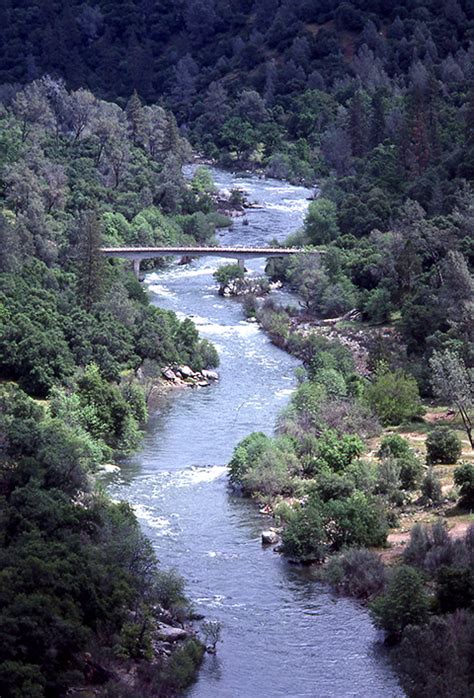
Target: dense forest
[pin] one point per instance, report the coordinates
(80, 346)
(370, 102)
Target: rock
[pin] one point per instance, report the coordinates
(270, 537)
(186, 372)
(210, 375)
(170, 634)
(169, 375)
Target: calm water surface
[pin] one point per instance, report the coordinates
(284, 634)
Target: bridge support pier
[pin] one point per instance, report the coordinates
(241, 263)
(136, 268)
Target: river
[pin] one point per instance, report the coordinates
(284, 634)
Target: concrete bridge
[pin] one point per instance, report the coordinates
(137, 254)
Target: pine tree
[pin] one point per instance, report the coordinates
(358, 125)
(134, 116)
(377, 126)
(90, 261)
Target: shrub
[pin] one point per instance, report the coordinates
(358, 572)
(357, 520)
(227, 273)
(388, 479)
(338, 452)
(464, 479)
(394, 396)
(394, 445)
(431, 547)
(409, 464)
(245, 454)
(404, 603)
(332, 381)
(431, 488)
(304, 538)
(454, 588)
(428, 667)
(378, 305)
(443, 446)
(331, 485)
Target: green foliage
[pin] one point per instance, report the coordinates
(454, 588)
(464, 479)
(321, 222)
(202, 182)
(227, 273)
(246, 453)
(431, 488)
(338, 452)
(394, 396)
(304, 538)
(357, 520)
(443, 446)
(409, 464)
(404, 603)
(357, 572)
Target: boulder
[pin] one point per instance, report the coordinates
(270, 537)
(186, 372)
(169, 374)
(169, 633)
(210, 375)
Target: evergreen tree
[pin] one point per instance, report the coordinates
(89, 260)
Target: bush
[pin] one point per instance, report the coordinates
(357, 520)
(428, 667)
(332, 381)
(454, 588)
(410, 466)
(404, 603)
(378, 305)
(394, 396)
(431, 488)
(358, 572)
(338, 452)
(443, 446)
(464, 479)
(227, 273)
(304, 538)
(245, 454)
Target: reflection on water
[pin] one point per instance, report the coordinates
(284, 634)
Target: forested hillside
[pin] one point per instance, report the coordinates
(79, 344)
(100, 103)
(303, 86)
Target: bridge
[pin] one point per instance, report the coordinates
(137, 254)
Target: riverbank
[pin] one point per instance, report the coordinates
(177, 485)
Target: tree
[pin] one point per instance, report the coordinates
(404, 603)
(90, 261)
(394, 396)
(443, 446)
(453, 383)
(464, 479)
(321, 222)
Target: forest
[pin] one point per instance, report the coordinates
(101, 104)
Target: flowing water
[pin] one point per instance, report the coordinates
(284, 634)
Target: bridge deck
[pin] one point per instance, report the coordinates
(142, 252)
